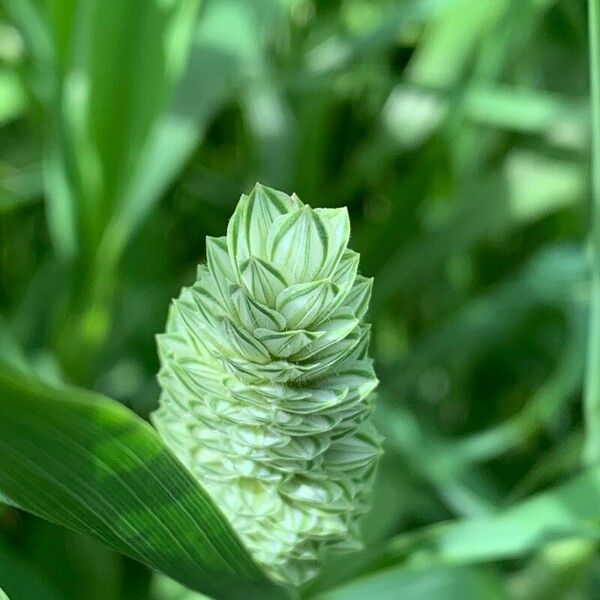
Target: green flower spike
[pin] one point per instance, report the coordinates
(266, 382)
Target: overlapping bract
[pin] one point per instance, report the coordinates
(266, 381)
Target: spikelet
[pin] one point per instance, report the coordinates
(266, 382)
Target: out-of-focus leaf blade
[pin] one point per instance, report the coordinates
(531, 187)
(555, 276)
(223, 48)
(20, 578)
(463, 488)
(10, 348)
(85, 462)
(449, 42)
(19, 187)
(13, 100)
(570, 510)
(558, 461)
(549, 401)
(450, 583)
(164, 588)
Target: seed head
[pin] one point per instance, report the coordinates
(266, 381)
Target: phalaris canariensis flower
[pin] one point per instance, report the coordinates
(266, 381)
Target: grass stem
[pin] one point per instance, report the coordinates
(592, 382)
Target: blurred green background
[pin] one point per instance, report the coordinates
(456, 132)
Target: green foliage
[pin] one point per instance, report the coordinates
(457, 134)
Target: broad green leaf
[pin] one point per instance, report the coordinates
(80, 460)
(3, 596)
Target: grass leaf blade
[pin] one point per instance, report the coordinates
(85, 462)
